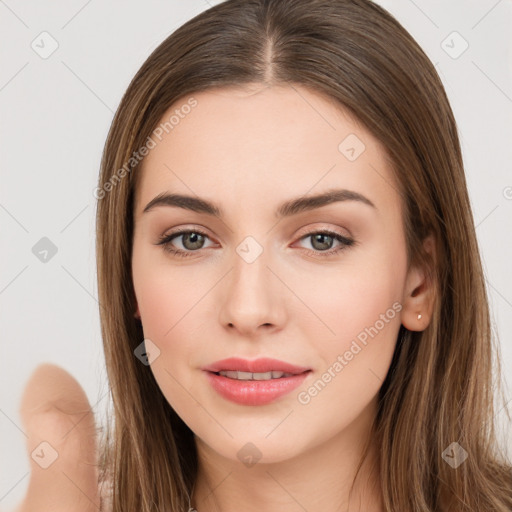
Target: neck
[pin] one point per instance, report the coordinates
(318, 479)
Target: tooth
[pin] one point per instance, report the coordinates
(230, 374)
(274, 374)
(244, 376)
(263, 376)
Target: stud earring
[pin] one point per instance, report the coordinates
(419, 317)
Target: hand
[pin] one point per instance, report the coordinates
(64, 469)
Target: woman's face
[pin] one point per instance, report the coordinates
(261, 278)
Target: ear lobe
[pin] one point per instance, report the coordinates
(137, 312)
(419, 292)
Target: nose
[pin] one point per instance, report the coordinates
(251, 296)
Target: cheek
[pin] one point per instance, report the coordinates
(360, 319)
(166, 297)
(169, 306)
(173, 307)
(352, 362)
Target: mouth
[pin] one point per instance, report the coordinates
(271, 375)
(257, 369)
(254, 382)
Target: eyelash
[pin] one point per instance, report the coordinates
(165, 241)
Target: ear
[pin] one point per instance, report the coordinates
(419, 292)
(137, 312)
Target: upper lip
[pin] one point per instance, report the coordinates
(261, 365)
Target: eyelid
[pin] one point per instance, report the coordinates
(185, 228)
(319, 227)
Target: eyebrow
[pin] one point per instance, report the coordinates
(286, 209)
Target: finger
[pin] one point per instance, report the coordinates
(62, 444)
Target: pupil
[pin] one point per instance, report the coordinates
(319, 237)
(195, 238)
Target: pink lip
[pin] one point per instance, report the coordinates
(254, 392)
(261, 365)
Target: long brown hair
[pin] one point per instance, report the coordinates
(439, 388)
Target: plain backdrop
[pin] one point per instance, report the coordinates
(55, 114)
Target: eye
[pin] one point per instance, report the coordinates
(322, 241)
(192, 241)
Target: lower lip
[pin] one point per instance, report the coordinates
(254, 392)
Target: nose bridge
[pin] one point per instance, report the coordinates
(250, 272)
(250, 298)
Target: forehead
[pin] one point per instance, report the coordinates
(241, 144)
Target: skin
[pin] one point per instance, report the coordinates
(54, 409)
(248, 150)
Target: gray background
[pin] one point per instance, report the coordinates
(55, 114)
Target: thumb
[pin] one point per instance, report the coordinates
(61, 444)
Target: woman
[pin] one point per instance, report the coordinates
(283, 184)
